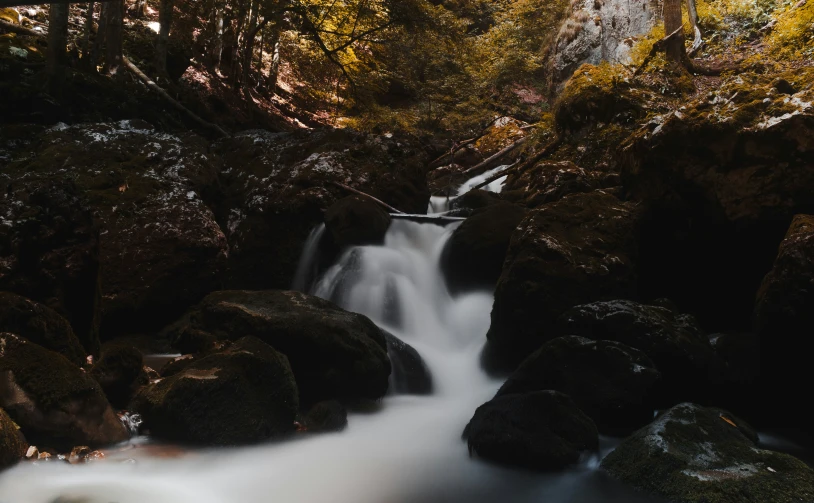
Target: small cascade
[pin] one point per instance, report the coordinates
(308, 267)
(442, 204)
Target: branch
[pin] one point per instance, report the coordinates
(360, 193)
(485, 164)
(13, 28)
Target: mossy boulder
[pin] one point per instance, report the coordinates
(692, 454)
(241, 395)
(326, 417)
(579, 249)
(12, 442)
(55, 403)
(681, 351)
(120, 373)
(548, 182)
(334, 354)
(473, 257)
(610, 382)
(49, 247)
(541, 430)
(40, 325)
(354, 221)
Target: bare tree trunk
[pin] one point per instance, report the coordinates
(56, 55)
(248, 50)
(101, 34)
(692, 10)
(86, 49)
(165, 19)
(113, 37)
(676, 52)
(274, 71)
(241, 21)
(260, 56)
(141, 8)
(218, 51)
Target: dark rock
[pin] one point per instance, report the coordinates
(610, 382)
(49, 247)
(353, 221)
(542, 430)
(12, 442)
(473, 257)
(334, 354)
(577, 250)
(475, 200)
(679, 348)
(244, 394)
(118, 372)
(55, 403)
(548, 182)
(697, 455)
(40, 325)
(326, 416)
(409, 375)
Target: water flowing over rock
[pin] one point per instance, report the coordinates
(610, 382)
(692, 454)
(243, 394)
(542, 430)
(334, 354)
(55, 403)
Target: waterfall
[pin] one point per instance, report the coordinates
(441, 204)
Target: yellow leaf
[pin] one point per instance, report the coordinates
(729, 421)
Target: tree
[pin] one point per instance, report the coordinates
(114, 26)
(57, 41)
(165, 20)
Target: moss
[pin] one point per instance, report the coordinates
(793, 34)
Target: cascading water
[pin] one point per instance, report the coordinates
(439, 204)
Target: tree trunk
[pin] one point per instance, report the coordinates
(114, 26)
(56, 55)
(274, 71)
(217, 53)
(248, 51)
(87, 62)
(165, 19)
(676, 52)
(141, 8)
(101, 34)
(241, 21)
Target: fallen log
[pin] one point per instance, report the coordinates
(20, 30)
(360, 193)
(484, 165)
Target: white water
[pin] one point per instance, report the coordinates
(440, 204)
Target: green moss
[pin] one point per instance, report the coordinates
(793, 35)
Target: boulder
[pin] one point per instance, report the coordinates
(692, 454)
(120, 373)
(12, 442)
(49, 247)
(276, 187)
(681, 351)
(160, 247)
(40, 325)
(579, 249)
(473, 257)
(354, 221)
(241, 395)
(55, 403)
(334, 354)
(410, 374)
(610, 382)
(326, 417)
(541, 430)
(474, 200)
(548, 182)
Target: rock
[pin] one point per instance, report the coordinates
(600, 30)
(475, 200)
(548, 182)
(49, 248)
(326, 417)
(473, 257)
(716, 210)
(12, 443)
(577, 250)
(118, 372)
(243, 394)
(409, 374)
(693, 454)
(679, 348)
(541, 430)
(40, 325)
(334, 354)
(161, 249)
(354, 221)
(55, 403)
(610, 382)
(277, 186)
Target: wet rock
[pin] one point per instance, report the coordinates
(12, 443)
(334, 354)
(475, 200)
(694, 454)
(49, 247)
(541, 430)
(119, 371)
(40, 325)
(244, 394)
(277, 186)
(161, 249)
(326, 416)
(551, 181)
(410, 375)
(679, 348)
(353, 221)
(610, 382)
(473, 257)
(577, 250)
(53, 401)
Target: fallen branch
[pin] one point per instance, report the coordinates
(440, 160)
(494, 177)
(483, 166)
(360, 193)
(152, 85)
(13, 28)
